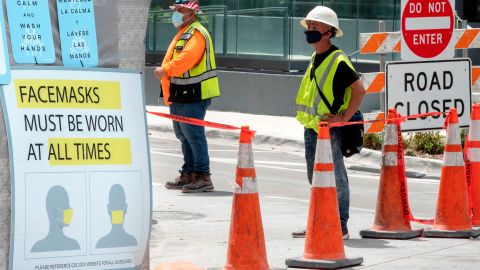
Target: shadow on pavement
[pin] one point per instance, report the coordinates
(367, 243)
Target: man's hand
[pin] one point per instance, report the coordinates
(333, 118)
(159, 73)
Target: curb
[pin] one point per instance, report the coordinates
(415, 167)
(234, 135)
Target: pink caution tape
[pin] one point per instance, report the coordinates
(397, 119)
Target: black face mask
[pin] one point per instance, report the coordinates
(313, 36)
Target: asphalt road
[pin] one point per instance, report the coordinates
(195, 227)
(280, 173)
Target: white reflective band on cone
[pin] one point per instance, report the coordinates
(453, 135)
(249, 186)
(390, 136)
(326, 147)
(323, 179)
(474, 154)
(474, 132)
(390, 159)
(453, 159)
(245, 156)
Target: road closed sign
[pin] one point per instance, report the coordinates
(429, 86)
(427, 29)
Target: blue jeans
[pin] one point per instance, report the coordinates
(341, 178)
(192, 137)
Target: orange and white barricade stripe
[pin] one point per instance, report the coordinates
(388, 42)
(382, 42)
(373, 82)
(467, 38)
(375, 127)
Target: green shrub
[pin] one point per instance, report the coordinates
(407, 141)
(373, 141)
(430, 142)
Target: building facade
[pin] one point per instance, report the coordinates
(265, 37)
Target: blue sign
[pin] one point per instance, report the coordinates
(30, 31)
(4, 57)
(78, 35)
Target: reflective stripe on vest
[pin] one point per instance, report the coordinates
(309, 104)
(189, 33)
(324, 78)
(198, 79)
(204, 73)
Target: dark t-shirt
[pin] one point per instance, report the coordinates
(342, 79)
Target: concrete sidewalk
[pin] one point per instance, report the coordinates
(280, 131)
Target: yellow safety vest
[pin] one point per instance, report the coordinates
(200, 82)
(310, 107)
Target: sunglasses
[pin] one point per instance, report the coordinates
(181, 1)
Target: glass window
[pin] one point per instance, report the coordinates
(472, 10)
(270, 29)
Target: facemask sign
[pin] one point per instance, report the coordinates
(177, 19)
(117, 217)
(313, 36)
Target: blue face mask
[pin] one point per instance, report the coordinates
(177, 19)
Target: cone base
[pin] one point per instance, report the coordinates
(371, 233)
(452, 234)
(323, 264)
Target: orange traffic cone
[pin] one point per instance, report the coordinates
(246, 243)
(391, 220)
(472, 153)
(323, 241)
(452, 218)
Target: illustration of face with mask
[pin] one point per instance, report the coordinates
(60, 215)
(117, 209)
(63, 217)
(117, 206)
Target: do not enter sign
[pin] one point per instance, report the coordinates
(427, 28)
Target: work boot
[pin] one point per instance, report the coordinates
(180, 181)
(345, 235)
(201, 183)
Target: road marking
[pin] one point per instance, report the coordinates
(410, 180)
(257, 148)
(261, 164)
(307, 201)
(210, 150)
(234, 161)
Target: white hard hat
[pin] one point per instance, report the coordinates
(324, 15)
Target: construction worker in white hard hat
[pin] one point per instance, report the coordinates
(331, 74)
